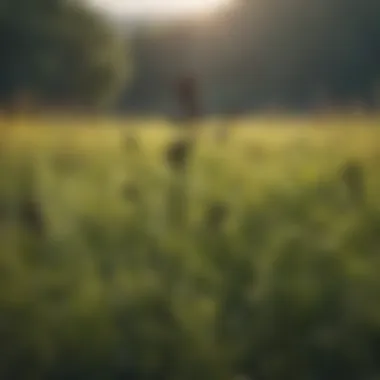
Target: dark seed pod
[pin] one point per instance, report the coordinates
(353, 177)
(30, 214)
(216, 215)
(188, 97)
(177, 154)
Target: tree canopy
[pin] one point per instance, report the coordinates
(59, 50)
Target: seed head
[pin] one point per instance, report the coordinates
(216, 215)
(187, 96)
(178, 153)
(353, 177)
(30, 214)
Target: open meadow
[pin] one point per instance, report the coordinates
(253, 251)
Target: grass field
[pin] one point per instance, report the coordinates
(257, 253)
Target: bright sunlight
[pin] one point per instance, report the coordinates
(159, 8)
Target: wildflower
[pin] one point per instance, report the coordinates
(177, 154)
(354, 179)
(216, 215)
(30, 214)
(187, 97)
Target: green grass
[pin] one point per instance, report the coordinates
(260, 258)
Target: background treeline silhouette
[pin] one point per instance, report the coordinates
(58, 52)
(254, 55)
(259, 55)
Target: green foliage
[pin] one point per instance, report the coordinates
(272, 272)
(60, 51)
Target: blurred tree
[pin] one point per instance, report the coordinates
(59, 50)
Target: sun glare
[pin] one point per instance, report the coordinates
(159, 8)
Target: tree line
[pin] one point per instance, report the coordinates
(254, 55)
(58, 52)
(298, 54)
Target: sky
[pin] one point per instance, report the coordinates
(148, 9)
